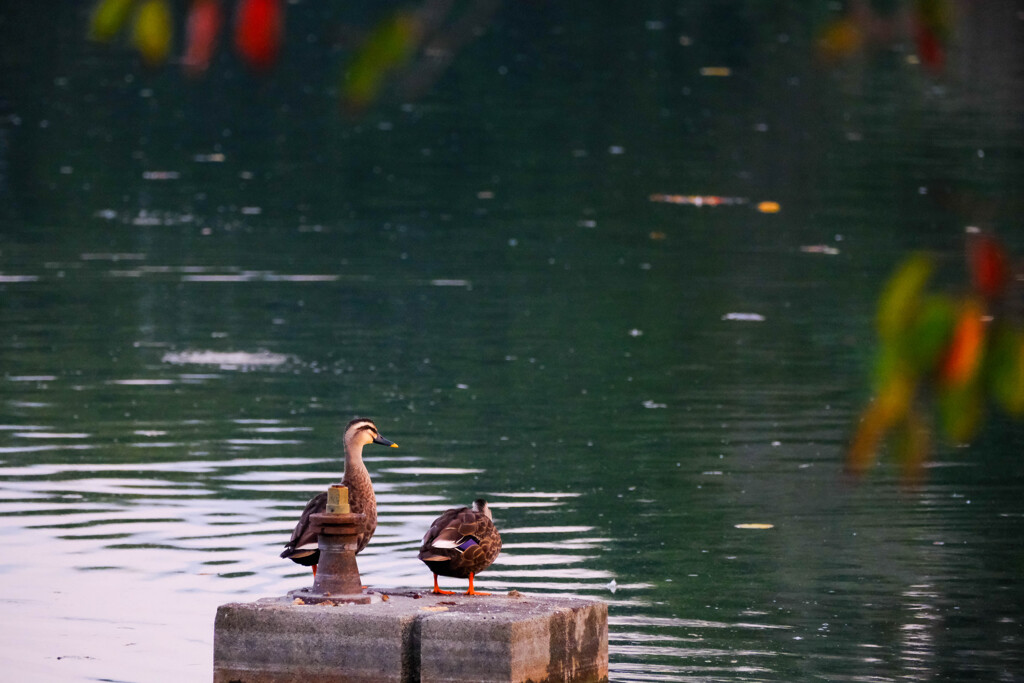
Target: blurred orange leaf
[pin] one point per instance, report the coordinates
(890, 406)
(840, 39)
(963, 357)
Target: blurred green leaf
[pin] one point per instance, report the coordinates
(930, 333)
(1005, 370)
(960, 412)
(912, 439)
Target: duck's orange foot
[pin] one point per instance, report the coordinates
(437, 589)
(471, 591)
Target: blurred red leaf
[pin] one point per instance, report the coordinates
(929, 48)
(988, 265)
(204, 23)
(258, 29)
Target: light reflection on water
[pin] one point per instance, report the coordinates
(127, 555)
(112, 529)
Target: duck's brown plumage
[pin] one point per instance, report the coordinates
(461, 542)
(302, 547)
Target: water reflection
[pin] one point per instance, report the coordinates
(207, 508)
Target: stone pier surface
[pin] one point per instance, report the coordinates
(409, 636)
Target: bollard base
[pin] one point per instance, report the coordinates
(311, 597)
(410, 636)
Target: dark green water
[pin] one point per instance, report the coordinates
(201, 282)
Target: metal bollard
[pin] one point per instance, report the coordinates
(337, 575)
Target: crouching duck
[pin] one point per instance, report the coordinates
(461, 543)
(303, 547)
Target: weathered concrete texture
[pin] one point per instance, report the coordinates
(414, 636)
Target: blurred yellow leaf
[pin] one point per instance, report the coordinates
(108, 17)
(153, 31)
(900, 299)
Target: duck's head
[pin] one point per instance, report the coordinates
(480, 505)
(361, 431)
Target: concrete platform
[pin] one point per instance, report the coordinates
(411, 636)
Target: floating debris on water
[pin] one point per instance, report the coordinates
(215, 158)
(113, 257)
(717, 71)
(744, 317)
(226, 359)
(651, 405)
(143, 382)
(819, 249)
(697, 200)
(451, 282)
(160, 175)
(713, 200)
(754, 525)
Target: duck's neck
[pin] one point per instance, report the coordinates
(356, 476)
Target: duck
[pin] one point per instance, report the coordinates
(303, 546)
(461, 543)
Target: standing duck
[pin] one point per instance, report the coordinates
(303, 547)
(461, 543)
